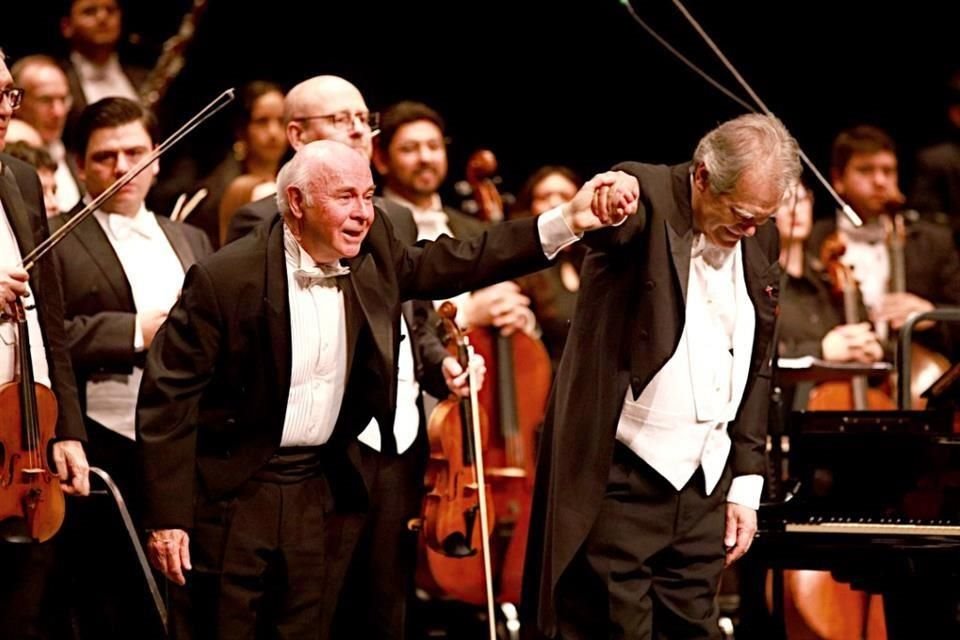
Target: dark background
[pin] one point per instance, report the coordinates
(576, 83)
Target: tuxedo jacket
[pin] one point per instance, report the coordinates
(99, 309)
(428, 352)
(628, 323)
(22, 199)
(214, 393)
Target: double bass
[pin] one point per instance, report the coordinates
(30, 492)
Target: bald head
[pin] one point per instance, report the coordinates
(326, 97)
(20, 131)
(325, 194)
(47, 101)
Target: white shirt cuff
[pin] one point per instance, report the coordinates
(746, 490)
(137, 335)
(555, 233)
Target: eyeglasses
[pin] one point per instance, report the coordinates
(14, 96)
(344, 120)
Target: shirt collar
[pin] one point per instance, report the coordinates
(436, 206)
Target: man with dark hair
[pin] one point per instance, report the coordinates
(122, 269)
(92, 29)
(23, 224)
(410, 154)
(864, 172)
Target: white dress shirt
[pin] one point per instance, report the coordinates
(155, 275)
(9, 257)
(105, 80)
(867, 254)
(406, 423)
(318, 333)
(555, 235)
(679, 421)
(68, 193)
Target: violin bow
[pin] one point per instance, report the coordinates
(847, 210)
(481, 492)
(54, 239)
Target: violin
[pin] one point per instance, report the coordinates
(30, 490)
(458, 512)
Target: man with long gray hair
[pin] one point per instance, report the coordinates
(647, 488)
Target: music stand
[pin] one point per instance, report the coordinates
(114, 492)
(810, 369)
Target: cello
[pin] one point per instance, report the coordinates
(815, 604)
(515, 362)
(926, 365)
(29, 490)
(458, 512)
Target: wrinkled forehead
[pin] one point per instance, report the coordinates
(756, 193)
(335, 101)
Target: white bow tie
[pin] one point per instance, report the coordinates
(323, 274)
(712, 254)
(124, 227)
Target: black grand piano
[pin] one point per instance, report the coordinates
(874, 498)
(876, 501)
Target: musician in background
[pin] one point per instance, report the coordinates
(410, 154)
(254, 392)
(649, 484)
(553, 291)
(92, 29)
(812, 321)
(863, 171)
(26, 567)
(45, 107)
(122, 270)
(259, 142)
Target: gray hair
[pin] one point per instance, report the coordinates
(749, 142)
(293, 174)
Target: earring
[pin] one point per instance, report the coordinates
(240, 150)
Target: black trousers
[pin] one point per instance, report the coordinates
(650, 567)
(267, 562)
(379, 583)
(27, 609)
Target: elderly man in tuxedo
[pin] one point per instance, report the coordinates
(281, 349)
